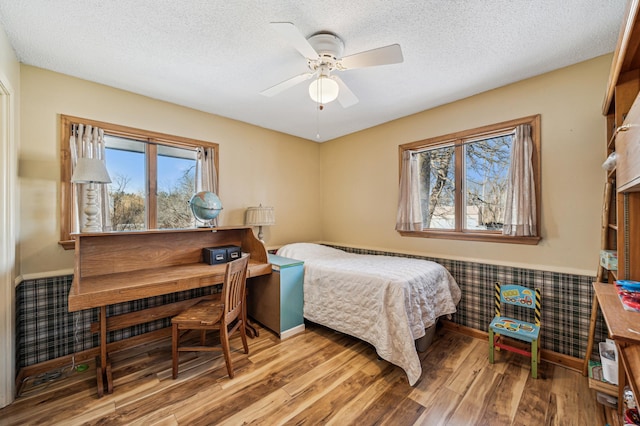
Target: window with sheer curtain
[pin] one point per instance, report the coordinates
(153, 176)
(480, 184)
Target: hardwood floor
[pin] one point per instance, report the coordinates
(317, 377)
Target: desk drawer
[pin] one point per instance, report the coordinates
(213, 280)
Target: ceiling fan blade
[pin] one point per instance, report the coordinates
(391, 54)
(282, 86)
(291, 33)
(345, 95)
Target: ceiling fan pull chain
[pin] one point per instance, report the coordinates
(318, 108)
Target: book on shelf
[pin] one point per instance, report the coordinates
(629, 294)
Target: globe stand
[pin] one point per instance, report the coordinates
(205, 223)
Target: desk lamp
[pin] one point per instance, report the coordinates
(260, 216)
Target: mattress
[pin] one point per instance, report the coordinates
(386, 301)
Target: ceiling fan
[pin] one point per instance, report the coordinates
(323, 51)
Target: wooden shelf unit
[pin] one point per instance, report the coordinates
(622, 110)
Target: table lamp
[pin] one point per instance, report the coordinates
(90, 171)
(260, 216)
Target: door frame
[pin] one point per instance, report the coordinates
(8, 225)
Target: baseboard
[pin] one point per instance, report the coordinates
(546, 355)
(86, 355)
(292, 331)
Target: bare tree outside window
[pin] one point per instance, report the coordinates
(486, 170)
(127, 208)
(173, 204)
(437, 190)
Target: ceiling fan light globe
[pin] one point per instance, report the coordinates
(323, 90)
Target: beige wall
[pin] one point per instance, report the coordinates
(256, 165)
(360, 172)
(342, 191)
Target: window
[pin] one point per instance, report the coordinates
(152, 178)
(463, 180)
(174, 177)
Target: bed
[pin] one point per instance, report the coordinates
(384, 300)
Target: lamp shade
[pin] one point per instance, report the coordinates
(323, 90)
(90, 170)
(260, 216)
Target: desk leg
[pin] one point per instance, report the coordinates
(103, 368)
(252, 331)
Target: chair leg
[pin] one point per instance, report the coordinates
(491, 347)
(539, 349)
(534, 359)
(174, 349)
(243, 335)
(203, 335)
(224, 341)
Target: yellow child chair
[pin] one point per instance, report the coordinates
(516, 329)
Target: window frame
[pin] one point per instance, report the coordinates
(458, 139)
(151, 138)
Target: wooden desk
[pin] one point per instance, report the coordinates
(624, 328)
(119, 267)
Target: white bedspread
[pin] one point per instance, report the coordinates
(386, 301)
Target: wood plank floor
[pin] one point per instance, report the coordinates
(317, 377)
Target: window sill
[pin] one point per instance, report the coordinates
(472, 236)
(68, 244)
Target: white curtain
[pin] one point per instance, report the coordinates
(409, 216)
(520, 206)
(88, 142)
(206, 174)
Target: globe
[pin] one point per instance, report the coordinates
(205, 206)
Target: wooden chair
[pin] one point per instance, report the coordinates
(514, 328)
(227, 314)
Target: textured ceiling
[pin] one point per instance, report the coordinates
(217, 56)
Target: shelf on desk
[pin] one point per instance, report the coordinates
(597, 382)
(604, 387)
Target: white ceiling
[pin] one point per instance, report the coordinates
(218, 55)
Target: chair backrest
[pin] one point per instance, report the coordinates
(518, 295)
(234, 288)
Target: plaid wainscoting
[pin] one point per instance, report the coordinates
(566, 300)
(46, 330)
